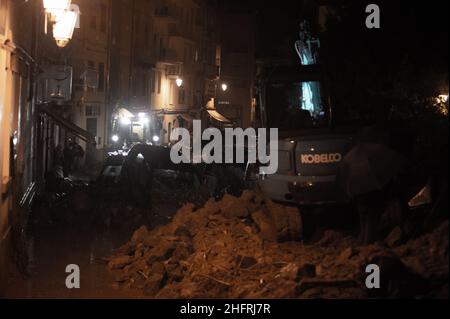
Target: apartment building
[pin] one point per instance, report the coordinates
(237, 71)
(88, 54)
(185, 40)
(18, 169)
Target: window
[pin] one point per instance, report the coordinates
(93, 22)
(171, 93)
(146, 35)
(2, 16)
(181, 96)
(102, 18)
(93, 110)
(101, 77)
(91, 126)
(144, 85)
(153, 77)
(159, 81)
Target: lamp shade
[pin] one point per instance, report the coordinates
(56, 8)
(64, 27)
(56, 4)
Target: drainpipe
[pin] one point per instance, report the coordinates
(108, 124)
(131, 64)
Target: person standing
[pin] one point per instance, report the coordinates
(68, 158)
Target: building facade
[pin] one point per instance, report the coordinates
(159, 62)
(237, 70)
(18, 140)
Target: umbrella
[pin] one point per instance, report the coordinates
(369, 167)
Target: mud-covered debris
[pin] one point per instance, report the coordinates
(120, 262)
(346, 254)
(245, 248)
(265, 225)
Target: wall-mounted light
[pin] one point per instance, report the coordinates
(179, 82)
(224, 87)
(64, 27)
(443, 98)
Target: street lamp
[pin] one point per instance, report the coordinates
(443, 98)
(224, 87)
(64, 27)
(179, 82)
(56, 8)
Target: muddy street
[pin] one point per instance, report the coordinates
(234, 247)
(83, 231)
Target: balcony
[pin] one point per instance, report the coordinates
(175, 71)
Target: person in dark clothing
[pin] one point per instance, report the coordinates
(69, 158)
(392, 198)
(78, 154)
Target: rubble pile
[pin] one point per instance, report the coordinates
(250, 247)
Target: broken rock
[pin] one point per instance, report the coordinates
(346, 255)
(266, 227)
(120, 262)
(290, 272)
(154, 284)
(233, 207)
(395, 237)
(247, 262)
(140, 235)
(162, 252)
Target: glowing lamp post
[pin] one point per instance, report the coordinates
(64, 27)
(179, 82)
(224, 87)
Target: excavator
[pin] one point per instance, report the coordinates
(296, 100)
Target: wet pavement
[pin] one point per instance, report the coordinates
(63, 236)
(53, 246)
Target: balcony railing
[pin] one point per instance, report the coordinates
(175, 71)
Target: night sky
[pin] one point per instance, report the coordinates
(406, 25)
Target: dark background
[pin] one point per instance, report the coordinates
(390, 76)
